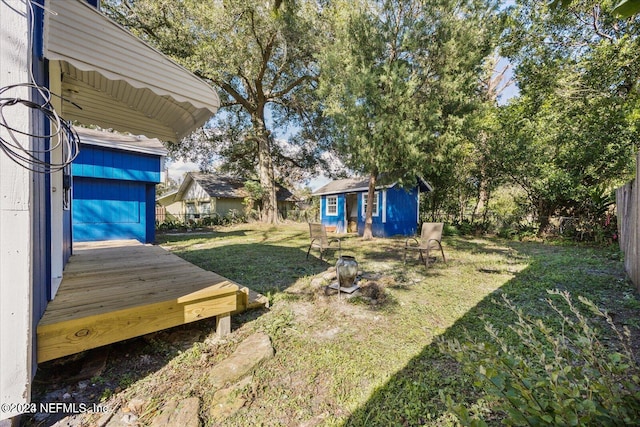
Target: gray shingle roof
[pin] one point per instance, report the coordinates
(343, 185)
(232, 188)
(357, 184)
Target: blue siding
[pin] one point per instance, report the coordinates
(109, 209)
(114, 194)
(100, 162)
(377, 226)
(150, 214)
(67, 235)
(401, 217)
(402, 212)
(337, 220)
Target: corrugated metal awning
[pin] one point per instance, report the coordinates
(137, 143)
(117, 81)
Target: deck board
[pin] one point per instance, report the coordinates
(115, 290)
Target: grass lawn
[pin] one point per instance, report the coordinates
(361, 362)
(358, 363)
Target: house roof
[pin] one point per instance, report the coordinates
(225, 187)
(114, 80)
(167, 198)
(342, 186)
(135, 143)
(350, 185)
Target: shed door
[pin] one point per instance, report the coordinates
(106, 209)
(351, 212)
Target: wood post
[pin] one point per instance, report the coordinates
(223, 324)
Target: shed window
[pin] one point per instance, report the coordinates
(332, 205)
(376, 198)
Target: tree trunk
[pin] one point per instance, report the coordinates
(368, 214)
(545, 211)
(482, 201)
(485, 211)
(265, 171)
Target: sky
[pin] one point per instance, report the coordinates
(178, 168)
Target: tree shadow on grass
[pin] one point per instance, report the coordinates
(162, 237)
(414, 395)
(261, 267)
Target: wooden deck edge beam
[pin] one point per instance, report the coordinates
(76, 335)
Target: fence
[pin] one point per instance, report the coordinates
(169, 221)
(628, 205)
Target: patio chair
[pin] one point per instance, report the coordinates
(430, 238)
(319, 239)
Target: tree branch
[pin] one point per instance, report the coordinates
(297, 82)
(235, 94)
(280, 70)
(247, 84)
(596, 25)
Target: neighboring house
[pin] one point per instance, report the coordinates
(167, 208)
(203, 195)
(114, 186)
(100, 74)
(395, 209)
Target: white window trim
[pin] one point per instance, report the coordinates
(376, 199)
(384, 206)
(326, 207)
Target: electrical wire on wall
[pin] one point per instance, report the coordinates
(36, 158)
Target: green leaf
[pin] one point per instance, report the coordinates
(555, 4)
(627, 8)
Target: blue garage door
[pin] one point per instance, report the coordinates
(105, 209)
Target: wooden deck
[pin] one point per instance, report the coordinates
(116, 290)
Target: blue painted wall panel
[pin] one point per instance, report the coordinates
(67, 235)
(150, 213)
(109, 209)
(401, 213)
(114, 194)
(337, 220)
(101, 162)
(377, 226)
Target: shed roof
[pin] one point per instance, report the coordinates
(343, 185)
(135, 143)
(225, 187)
(350, 185)
(113, 79)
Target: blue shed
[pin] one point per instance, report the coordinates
(395, 209)
(114, 181)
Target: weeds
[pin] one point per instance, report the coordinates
(566, 370)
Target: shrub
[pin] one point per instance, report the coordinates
(233, 217)
(169, 225)
(554, 375)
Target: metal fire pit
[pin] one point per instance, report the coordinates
(347, 275)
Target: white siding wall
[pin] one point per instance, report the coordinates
(195, 192)
(15, 219)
